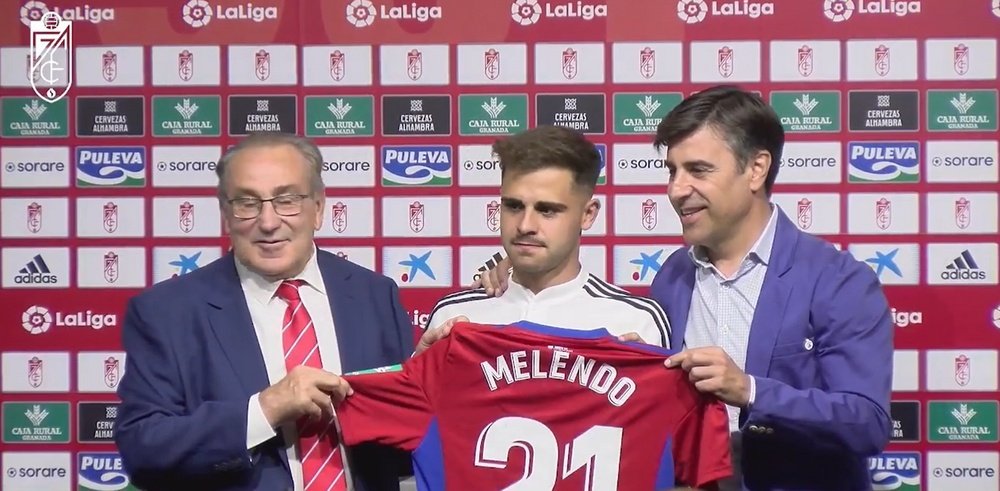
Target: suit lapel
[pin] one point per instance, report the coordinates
(682, 291)
(774, 296)
(347, 321)
(230, 320)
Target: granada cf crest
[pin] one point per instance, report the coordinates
(726, 61)
(338, 217)
(337, 67)
(34, 217)
(262, 65)
(109, 66)
(491, 64)
(493, 216)
(570, 65)
(416, 216)
(647, 62)
(185, 65)
(186, 217)
(882, 60)
(805, 62)
(35, 372)
(648, 218)
(51, 37)
(805, 213)
(961, 59)
(963, 370)
(963, 213)
(110, 217)
(414, 64)
(883, 213)
(112, 372)
(111, 267)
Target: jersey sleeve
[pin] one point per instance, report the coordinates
(701, 445)
(392, 408)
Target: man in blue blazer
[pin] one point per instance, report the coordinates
(209, 400)
(795, 336)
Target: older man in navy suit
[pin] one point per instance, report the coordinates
(230, 375)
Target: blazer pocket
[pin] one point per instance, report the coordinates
(789, 349)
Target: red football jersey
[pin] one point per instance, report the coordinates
(531, 407)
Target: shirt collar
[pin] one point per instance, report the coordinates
(568, 288)
(760, 252)
(262, 289)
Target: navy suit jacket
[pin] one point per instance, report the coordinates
(194, 361)
(820, 350)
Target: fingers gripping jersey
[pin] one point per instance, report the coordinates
(530, 407)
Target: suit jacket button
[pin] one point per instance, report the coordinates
(769, 430)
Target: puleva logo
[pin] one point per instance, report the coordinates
(102, 471)
(408, 165)
(896, 471)
(883, 161)
(111, 166)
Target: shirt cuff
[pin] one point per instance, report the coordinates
(258, 429)
(753, 391)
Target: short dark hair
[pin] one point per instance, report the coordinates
(550, 146)
(741, 118)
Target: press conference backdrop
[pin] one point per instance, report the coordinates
(890, 109)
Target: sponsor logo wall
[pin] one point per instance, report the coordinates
(890, 118)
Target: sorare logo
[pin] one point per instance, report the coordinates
(896, 471)
(413, 165)
(111, 166)
(884, 161)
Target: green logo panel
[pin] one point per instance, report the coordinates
(962, 110)
(639, 114)
(962, 421)
(340, 116)
(186, 116)
(492, 114)
(808, 112)
(36, 422)
(25, 117)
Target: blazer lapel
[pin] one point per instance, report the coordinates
(683, 289)
(347, 321)
(774, 296)
(230, 320)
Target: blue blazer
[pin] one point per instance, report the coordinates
(822, 405)
(194, 361)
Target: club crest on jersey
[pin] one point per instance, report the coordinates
(570, 63)
(647, 62)
(493, 216)
(963, 213)
(805, 213)
(491, 64)
(185, 65)
(961, 59)
(338, 217)
(337, 66)
(726, 61)
(262, 65)
(648, 214)
(186, 217)
(416, 216)
(883, 213)
(109, 66)
(35, 372)
(963, 370)
(112, 372)
(111, 267)
(34, 214)
(805, 61)
(110, 221)
(414, 64)
(882, 60)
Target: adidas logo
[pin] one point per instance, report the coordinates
(963, 267)
(36, 272)
(490, 264)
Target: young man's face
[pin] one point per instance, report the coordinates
(542, 215)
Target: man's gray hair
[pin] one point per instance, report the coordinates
(304, 146)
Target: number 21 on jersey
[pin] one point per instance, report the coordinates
(597, 451)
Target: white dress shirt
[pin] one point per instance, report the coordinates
(267, 312)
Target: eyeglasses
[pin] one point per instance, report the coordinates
(285, 205)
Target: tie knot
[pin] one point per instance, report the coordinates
(288, 290)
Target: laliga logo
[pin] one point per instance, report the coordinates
(996, 8)
(197, 13)
(525, 12)
(35, 9)
(692, 11)
(36, 320)
(361, 13)
(838, 10)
